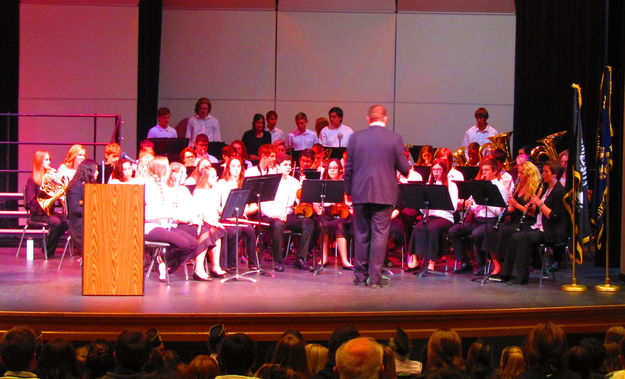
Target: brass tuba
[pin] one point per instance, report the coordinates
(459, 157)
(499, 141)
(53, 187)
(548, 147)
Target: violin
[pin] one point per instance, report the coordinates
(339, 211)
(302, 210)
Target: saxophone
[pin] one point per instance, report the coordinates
(53, 187)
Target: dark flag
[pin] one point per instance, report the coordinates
(577, 180)
(604, 156)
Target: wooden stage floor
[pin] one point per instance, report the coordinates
(36, 293)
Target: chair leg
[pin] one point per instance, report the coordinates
(45, 247)
(67, 243)
(164, 258)
(21, 240)
(544, 252)
(154, 254)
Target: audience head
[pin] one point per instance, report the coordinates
(18, 349)
(612, 360)
(112, 152)
(400, 343)
(290, 351)
(579, 361)
(58, 361)
(512, 362)
(75, 155)
(444, 349)
(389, 370)
(614, 334)
(359, 358)
(479, 360)
(216, 334)
(276, 371)
(100, 358)
(203, 366)
(338, 337)
(203, 107)
(316, 356)
(132, 350)
(153, 336)
(545, 348)
(595, 348)
(237, 354)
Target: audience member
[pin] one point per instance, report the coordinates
(444, 350)
(614, 335)
(339, 336)
(58, 361)
(388, 363)
(400, 344)
(512, 363)
(132, 352)
(479, 360)
(578, 360)
(216, 335)
(18, 352)
(275, 371)
(100, 358)
(201, 367)
(316, 356)
(359, 358)
(545, 350)
(236, 356)
(290, 351)
(596, 350)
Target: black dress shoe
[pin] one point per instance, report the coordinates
(349, 268)
(464, 267)
(253, 267)
(279, 267)
(301, 264)
(359, 281)
(382, 284)
(200, 279)
(216, 275)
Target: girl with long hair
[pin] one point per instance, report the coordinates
(75, 156)
(87, 173)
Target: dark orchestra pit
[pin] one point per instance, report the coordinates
(36, 293)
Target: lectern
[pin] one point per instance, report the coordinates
(113, 240)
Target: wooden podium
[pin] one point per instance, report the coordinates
(113, 234)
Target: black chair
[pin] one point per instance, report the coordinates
(43, 227)
(546, 252)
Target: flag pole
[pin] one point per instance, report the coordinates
(574, 286)
(607, 286)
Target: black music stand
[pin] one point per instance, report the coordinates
(309, 173)
(262, 188)
(336, 152)
(424, 171)
(468, 172)
(484, 193)
(234, 207)
(426, 197)
(323, 191)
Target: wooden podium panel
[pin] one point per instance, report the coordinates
(113, 233)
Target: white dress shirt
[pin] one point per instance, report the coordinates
(330, 137)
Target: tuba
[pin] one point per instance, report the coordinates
(548, 147)
(459, 157)
(53, 187)
(499, 141)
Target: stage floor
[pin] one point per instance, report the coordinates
(36, 291)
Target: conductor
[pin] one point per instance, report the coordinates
(373, 157)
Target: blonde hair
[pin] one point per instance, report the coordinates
(512, 362)
(317, 357)
(158, 168)
(38, 170)
(72, 153)
(532, 179)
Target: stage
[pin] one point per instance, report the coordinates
(38, 294)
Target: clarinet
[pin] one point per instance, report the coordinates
(503, 214)
(524, 215)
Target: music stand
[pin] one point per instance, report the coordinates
(468, 172)
(487, 194)
(424, 171)
(426, 197)
(336, 152)
(235, 204)
(323, 191)
(262, 188)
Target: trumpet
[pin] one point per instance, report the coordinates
(53, 187)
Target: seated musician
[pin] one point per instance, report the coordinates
(206, 201)
(279, 214)
(87, 173)
(122, 173)
(426, 156)
(57, 222)
(266, 166)
(75, 155)
(232, 178)
(202, 164)
(476, 227)
(336, 219)
(500, 156)
(551, 226)
(519, 215)
(425, 238)
(187, 157)
(160, 211)
(241, 152)
(473, 154)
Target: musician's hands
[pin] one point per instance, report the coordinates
(317, 208)
(535, 200)
(468, 203)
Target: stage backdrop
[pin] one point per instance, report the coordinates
(431, 68)
(76, 58)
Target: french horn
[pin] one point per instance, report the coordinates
(53, 187)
